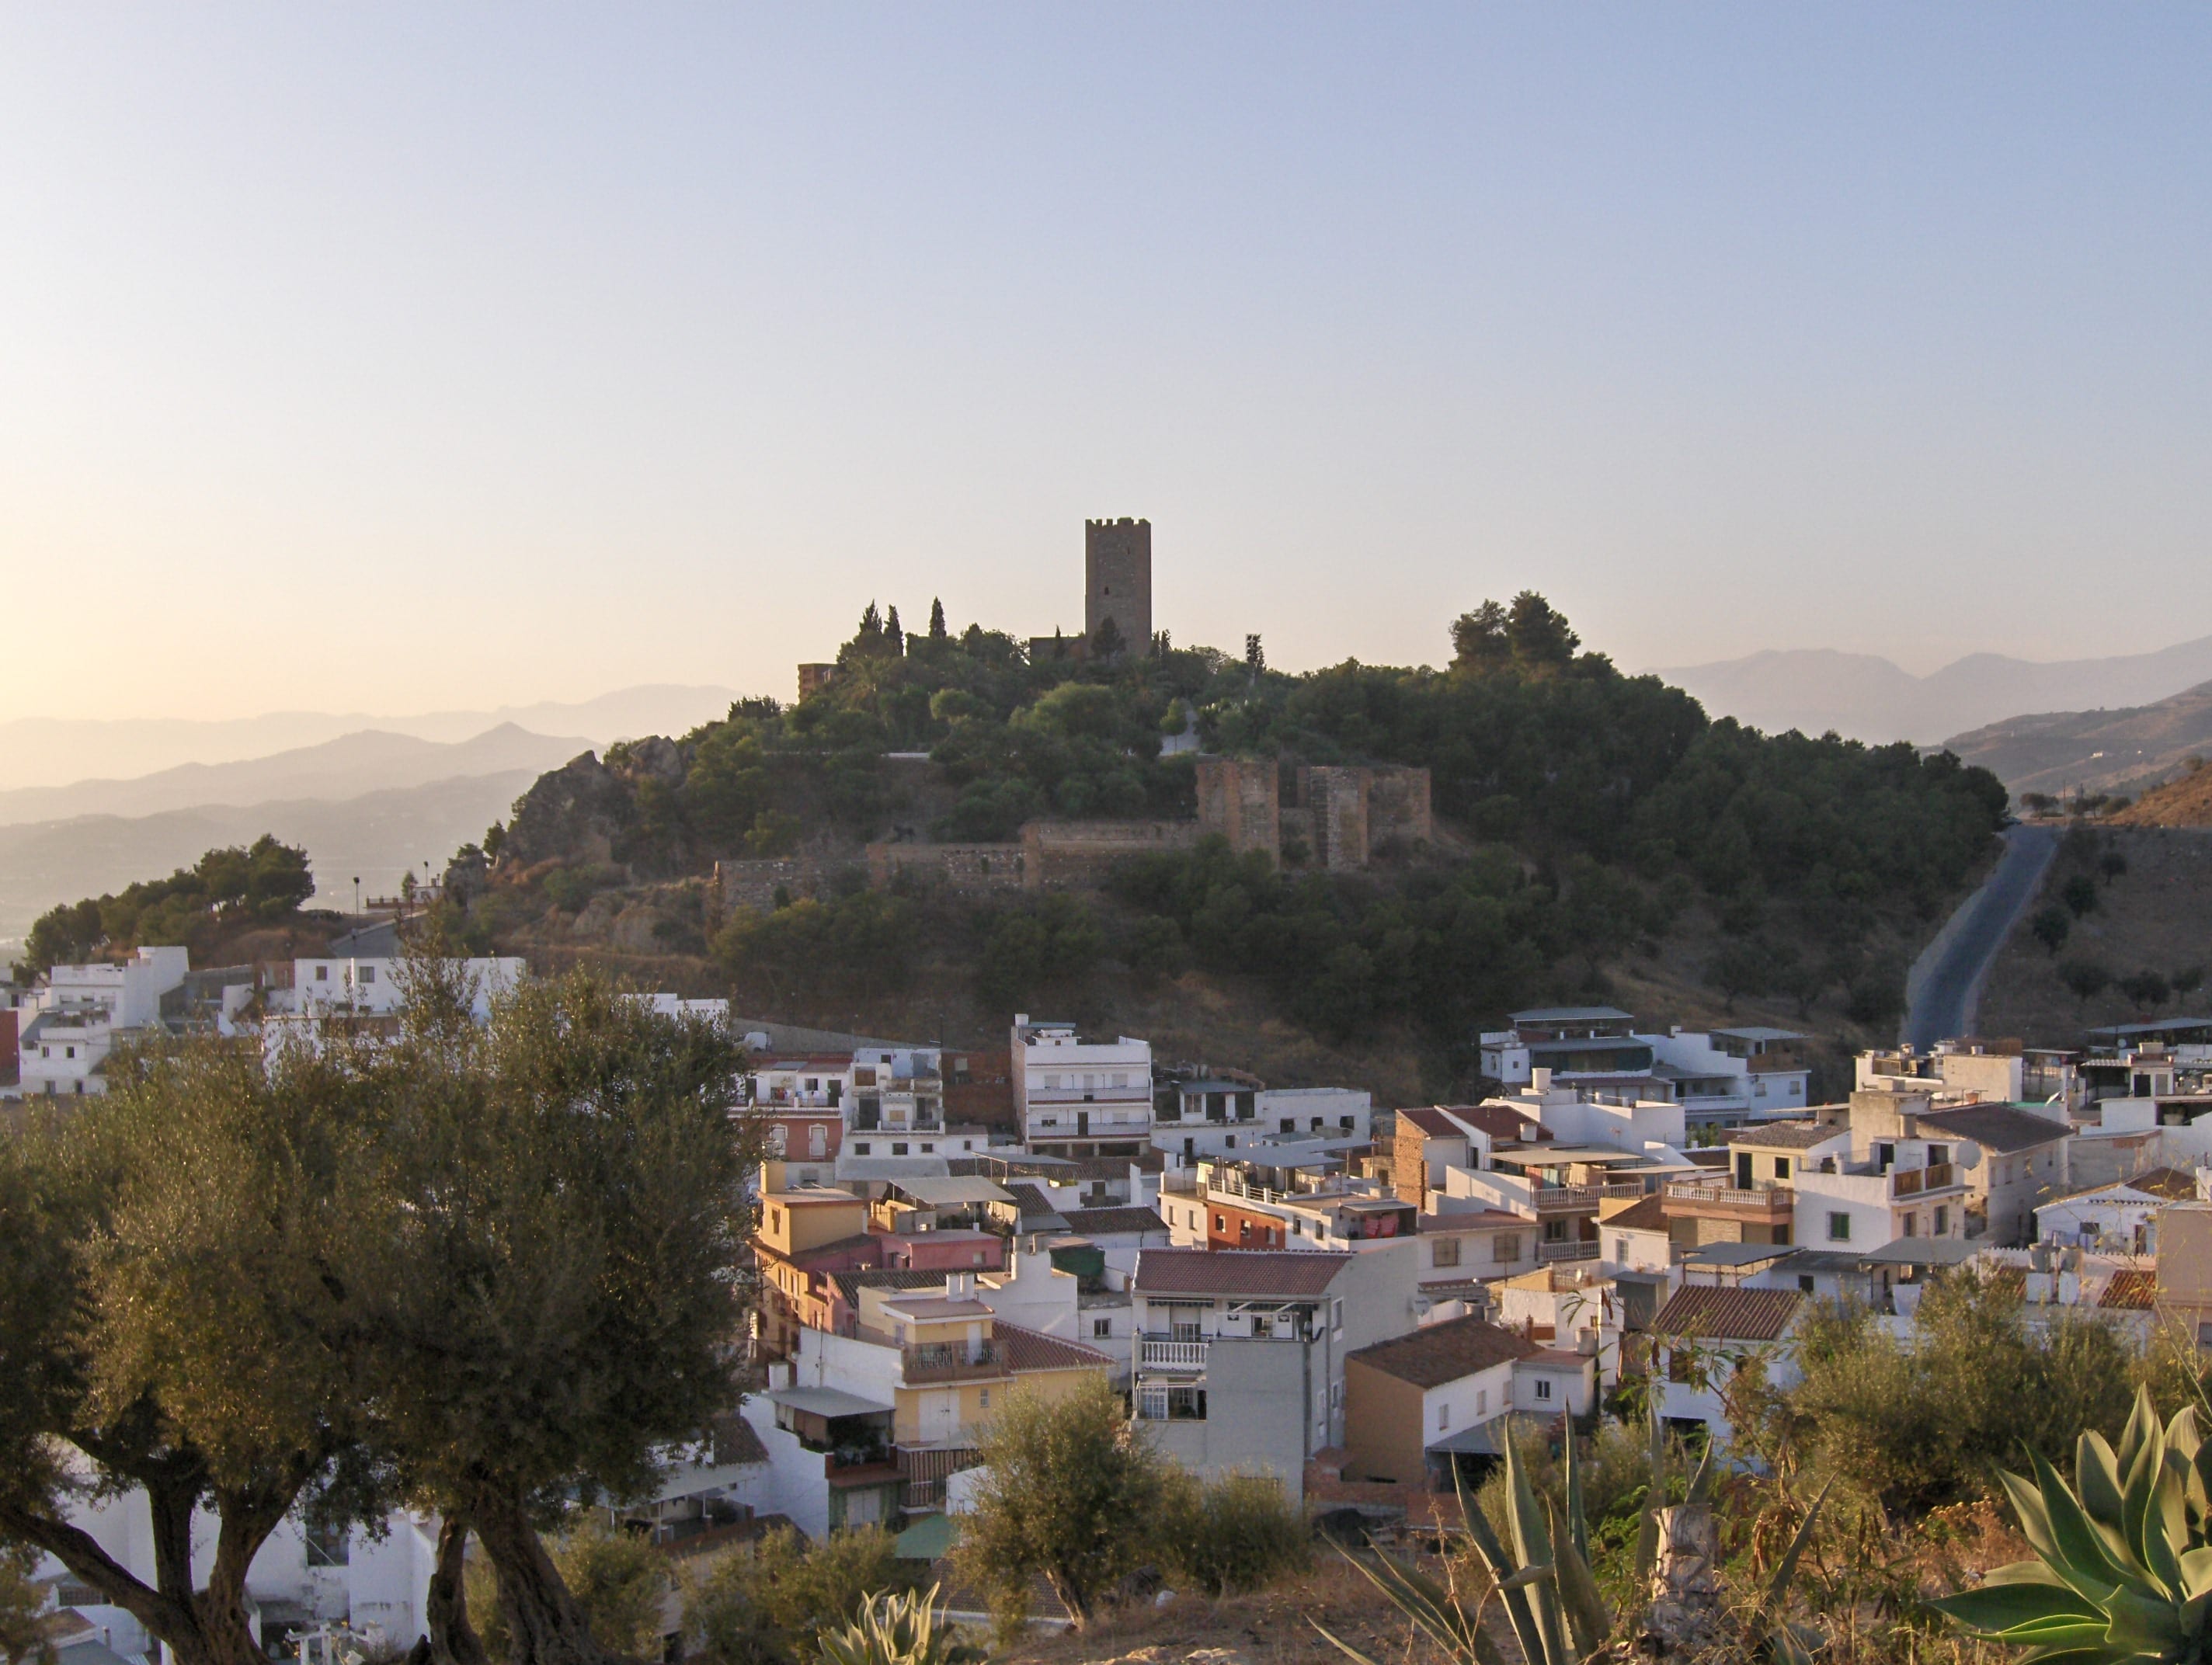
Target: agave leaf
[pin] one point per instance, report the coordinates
(1532, 1543)
(2196, 1569)
(2056, 1632)
(1701, 1483)
(1533, 1574)
(2025, 1572)
(1994, 1609)
(2138, 1495)
(2080, 1549)
(1518, 1612)
(1588, 1622)
(1577, 1531)
(2141, 1418)
(1654, 1496)
(1427, 1603)
(1777, 1588)
(2142, 1623)
(2073, 1656)
(2097, 1471)
(2182, 1435)
(1341, 1645)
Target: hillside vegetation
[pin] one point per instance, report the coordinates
(2183, 801)
(1590, 824)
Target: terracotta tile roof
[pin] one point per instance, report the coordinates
(1435, 1123)
(1498, 1121)
(1025, 1350)
(1237, 1271)
(850, 1284)
(1083, 1222)
(2132, 1290)
(735, 1441)
(1728, 1314)
(2175, 1184)
(1644, 1214)
(1785, 1135)
(1030, 1199)
(1444, 1352)
(2000, 1128)
(1474, 1219)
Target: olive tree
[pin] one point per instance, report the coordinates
(177, 1314)
(1074, 1493)
(560, 1292)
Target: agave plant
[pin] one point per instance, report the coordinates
(1550, 1595)
(898, 1630)
(2122, 1570)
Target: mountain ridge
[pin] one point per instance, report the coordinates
(349, 766)
(1864, 697)
(377, 835)
(2101, 750)
(59, 751)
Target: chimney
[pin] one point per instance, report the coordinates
(1539, 1078)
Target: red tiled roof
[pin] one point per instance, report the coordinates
(2172, 1183)
(1435, 1123)
(1237, 1271)
(1082, 1222)
(1498, 1121)
(1025, 1350)
(1728, 1314)
(2132, 1290)
(1444, 1352)
(1474, 1219)
(1644, 1214)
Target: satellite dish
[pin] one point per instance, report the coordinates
(1970, 1157)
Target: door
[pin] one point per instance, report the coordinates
(1743, 1170)
(940, 1417)
(1083, 1122)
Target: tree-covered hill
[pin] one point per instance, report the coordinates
(1582, 815)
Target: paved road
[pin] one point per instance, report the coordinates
(1947, 982)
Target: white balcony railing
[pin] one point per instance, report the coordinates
(1548, 1252)
(1171, 1355)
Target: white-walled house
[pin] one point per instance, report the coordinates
(1414, 1401)
(376, 1583)
(1076, 1098)
(1705, 1334)
(2118, 1219)
(377, 986)
(83, 1012)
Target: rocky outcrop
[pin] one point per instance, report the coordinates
(575, 813)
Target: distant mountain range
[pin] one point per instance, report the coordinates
(377, 836)
(349, 767)
(54, 751)
(2124, 750)
(1865, 697)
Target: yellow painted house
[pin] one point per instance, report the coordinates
(957, 1362)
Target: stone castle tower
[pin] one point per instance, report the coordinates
(1117, 581)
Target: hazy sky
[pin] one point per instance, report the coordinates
(385, 357)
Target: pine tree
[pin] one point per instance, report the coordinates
(936, 620)
(892, 634)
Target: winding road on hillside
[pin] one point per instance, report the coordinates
(1947, 979)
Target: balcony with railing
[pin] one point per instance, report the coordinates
(1766, 1202)
(1917, 1181)
(951, 1361)
(1164, 1353)
(1561, 1199)
(1548, 1254)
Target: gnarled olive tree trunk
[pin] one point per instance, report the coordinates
(547, 1624)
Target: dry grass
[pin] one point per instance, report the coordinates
(1269, 1628)
(2156, 916)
